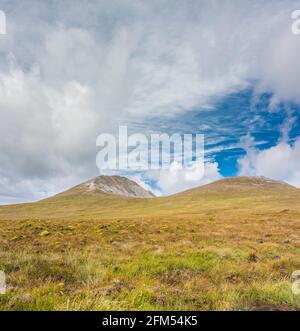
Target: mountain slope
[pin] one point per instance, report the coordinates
(244, 184)
(112, 185)
(116, 197)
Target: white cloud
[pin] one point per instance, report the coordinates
(280, 162)
(176, 179)
(279, 67)
(80, 70)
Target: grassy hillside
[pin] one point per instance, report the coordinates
(228, 245)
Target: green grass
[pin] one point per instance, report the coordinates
(195, 251)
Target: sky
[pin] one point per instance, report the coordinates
(227, 69)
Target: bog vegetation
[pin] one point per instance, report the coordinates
(231, 245)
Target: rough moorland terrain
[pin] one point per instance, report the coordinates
(229, 245)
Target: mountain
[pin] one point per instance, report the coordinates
(111, 185)
(108, 197)
(243, 184)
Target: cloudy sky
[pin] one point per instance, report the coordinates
(70, 71)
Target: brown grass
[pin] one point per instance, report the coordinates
(209, 250)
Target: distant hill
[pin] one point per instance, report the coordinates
(238, 185)
(107, 197)
(111, 185)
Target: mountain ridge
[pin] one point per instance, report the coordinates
(110, 185)
(120, 186)
(242, 184)
(88, 201)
